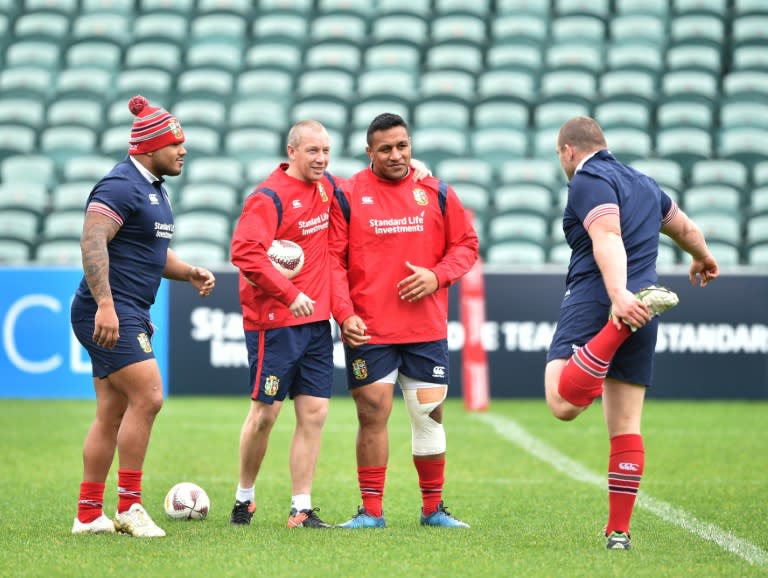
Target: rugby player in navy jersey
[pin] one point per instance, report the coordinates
(125, 252)
(606, 334)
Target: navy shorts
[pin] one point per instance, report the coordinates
(290, 361)
(579, 322)
(134, 345)
(427, 362)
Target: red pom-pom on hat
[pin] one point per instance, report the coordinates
(137, 104)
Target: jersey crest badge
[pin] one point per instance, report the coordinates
(359, 369)
(175, 128)
(271, 384)
(323, 194)
(144, 342)
(420, 196)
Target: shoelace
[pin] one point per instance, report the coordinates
(241, 512)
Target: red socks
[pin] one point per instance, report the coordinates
(91, 504)
(128, 489)
(625, 470)
(371, 481)
(583, 375)
(431, 480)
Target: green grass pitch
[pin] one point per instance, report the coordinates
(532, 488)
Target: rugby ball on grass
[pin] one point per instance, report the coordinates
(187, 501)
(287, 257)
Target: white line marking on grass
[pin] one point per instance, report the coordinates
(514, 432)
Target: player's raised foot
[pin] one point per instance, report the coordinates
(242, 512)
(306, 519)
(364, 520)
(101, 525)
(442, 518)
(136, 522)
(618, 541)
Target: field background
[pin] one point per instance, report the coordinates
(510, 475)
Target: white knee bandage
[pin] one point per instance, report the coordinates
(427, 435)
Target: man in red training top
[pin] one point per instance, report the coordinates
(396, 246)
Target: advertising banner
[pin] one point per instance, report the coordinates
(41, 358)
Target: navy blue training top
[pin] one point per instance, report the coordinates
(138, 252)
(597, 188)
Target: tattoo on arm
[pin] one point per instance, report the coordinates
(98, 231)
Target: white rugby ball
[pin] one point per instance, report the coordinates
(287, 257)
(187, 501)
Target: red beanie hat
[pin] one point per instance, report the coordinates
(153, 128)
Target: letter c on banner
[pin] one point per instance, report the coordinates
(9, 341)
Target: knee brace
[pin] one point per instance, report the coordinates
(427, 435)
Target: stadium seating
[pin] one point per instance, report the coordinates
(680, 89)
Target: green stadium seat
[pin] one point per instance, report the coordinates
(202, 253)
(690, 86)
(544, 142)
(633, 28)
(345, 167)
(554, 113)
(246, 144)
(19, 111)
(749, 57)
(274, 54)
(400, 28)
(266, 82)
(201, 111)
(338, 27)
(389, 55)
(598, 8)
(459, 27)
(518, 227)
(631, 85)
(58, 252)
(259, 169)
(541, 9)
(528, 28)
(526, 57)
(219, 29)
(684, 145)
(45, 26)
(242, 8)
(757, 230)
(433, 145)
(326, 83)
(667, 255)
(155, 84)
(19, 224)
(516, 253)
(750, 29)
(466, 170)
(64, 142)
(220, 57)
(95, 54)
(714, 7)
(666, 172)
(693, 57)
(741, 114)
(201, 225)
(725, 253)
(259, 112)
(28, 169)
(758, 201)
(636, 55)
(161, 27)
(208, 196)
(757, 255)
(111, 6)
(498, 145)
(720, 172)
(63, 225)
(387, 84)
(583, 28)
(524, 198)
(575, 85)
(101, 27)
(214, 170)
(164, 56)
(90, 168)
(572, 56)
(507, 85)
(201, 139)
(697, 29)
(65, 7)
(303, 7)
(452, 83)
(181, 7)
(421, 8)
(479, 8)
(71, 196)
(332, 113)
(474, 197)
(456, 56)
(364, 112)
(499, 114)
(437, 112)
(711, 198)
(14, 252)
(629, 143)
(683, 113)
(291, 28)
(745, 85)
(76, 112)
(559, 253)
(746, 145)
(16, 139)
(19, 195)
(345, 57)
(542, 171)
(721, 228)
(34, 53)
(86, 84)
(621, 114)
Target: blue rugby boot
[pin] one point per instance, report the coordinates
(442, 518)
(364, 520)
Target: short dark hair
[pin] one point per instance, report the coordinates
(384, 121)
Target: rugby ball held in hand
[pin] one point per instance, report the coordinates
(287, 257)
